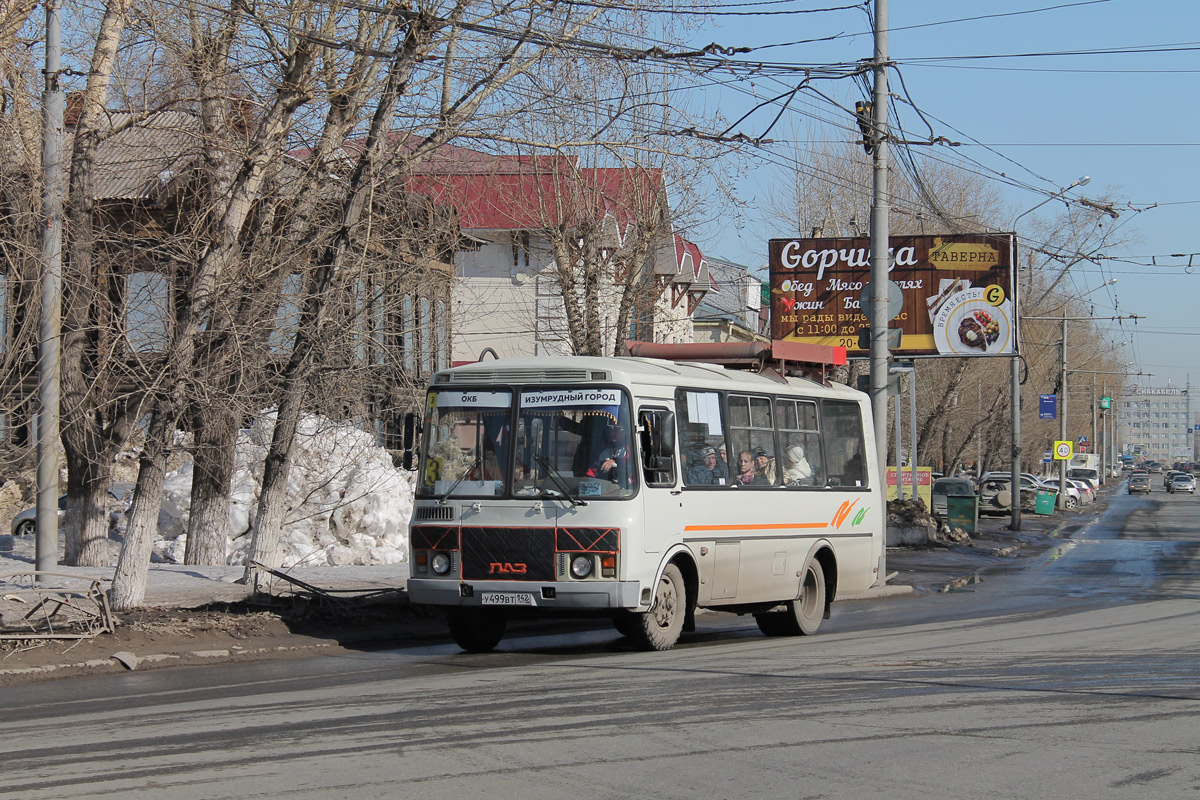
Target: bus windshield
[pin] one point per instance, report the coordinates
(575, 441)
(465, 443)
(570, 442)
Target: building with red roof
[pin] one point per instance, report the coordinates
(523, 217)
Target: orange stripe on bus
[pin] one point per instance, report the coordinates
(780, 526)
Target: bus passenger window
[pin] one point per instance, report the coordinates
(752, 433)
(842, 430)
(702, 438)
(800, 441)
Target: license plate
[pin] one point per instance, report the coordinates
(508, 599)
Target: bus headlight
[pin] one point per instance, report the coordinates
(440, 563)
(581, 566)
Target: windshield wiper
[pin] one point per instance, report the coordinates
(545, 464)
(444, 499)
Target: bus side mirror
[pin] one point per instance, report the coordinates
(410, 433)
(666, 435)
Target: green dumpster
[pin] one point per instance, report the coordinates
(962, 511)
(1044, 504)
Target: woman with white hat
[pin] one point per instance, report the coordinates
(796, 468)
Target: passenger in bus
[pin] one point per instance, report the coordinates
(747, 474)
(764, 465)
(705, 469)
(796, 469)
(852, 473)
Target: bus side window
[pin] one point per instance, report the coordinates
(842, 434)
(800, 442)
(656, 438)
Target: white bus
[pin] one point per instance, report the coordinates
(641, 489)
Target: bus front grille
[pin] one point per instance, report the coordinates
(514, 554)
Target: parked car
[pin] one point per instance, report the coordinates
(25, 523)
(943, 487)
(1182, 482)
(1092, 476)
(1086, 491)
(1074, 496)
(1139, 483)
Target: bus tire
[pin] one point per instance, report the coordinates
(475, 630)
(624, 622)
(659, 628)
(803, 615)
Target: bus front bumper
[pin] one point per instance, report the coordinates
(512, 594)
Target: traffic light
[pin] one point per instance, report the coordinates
(863, 110)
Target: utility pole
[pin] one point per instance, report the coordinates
(49, 328)
(1062, 418)
(879, 256)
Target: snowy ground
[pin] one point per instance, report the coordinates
(347, 504)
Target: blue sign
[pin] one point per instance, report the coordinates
(1048, 406)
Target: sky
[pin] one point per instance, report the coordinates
(1068, 103)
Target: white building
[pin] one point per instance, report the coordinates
(517, 214)
(1159, 421)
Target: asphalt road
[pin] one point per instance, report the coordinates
(1076, 676)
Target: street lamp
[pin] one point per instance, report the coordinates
(1015, 524)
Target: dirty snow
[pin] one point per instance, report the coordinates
(347, 503)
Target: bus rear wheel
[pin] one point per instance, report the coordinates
(476, 630)
(659, 628)
(803, 615)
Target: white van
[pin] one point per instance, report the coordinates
(1092, 476)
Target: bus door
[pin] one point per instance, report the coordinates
(661, 497)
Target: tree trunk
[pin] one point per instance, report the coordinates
(272, 499)
(88, 445)
(86, 530)
(208, 524)
(193, 313)
(133, 565)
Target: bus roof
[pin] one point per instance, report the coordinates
(644, 372)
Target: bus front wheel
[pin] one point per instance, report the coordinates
(659, 628)
(475, 630)
(803, 615)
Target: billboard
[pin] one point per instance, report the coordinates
(951, 295)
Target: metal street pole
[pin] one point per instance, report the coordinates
(912, 423)
(1095, 441)
(1015, 398)
(899, 451)
(1062, 419)
(879, 255)
(53, 99)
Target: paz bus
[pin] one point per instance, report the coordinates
(644, 488)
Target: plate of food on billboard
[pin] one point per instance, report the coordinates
(957, 295)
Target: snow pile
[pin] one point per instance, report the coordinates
(347, 504)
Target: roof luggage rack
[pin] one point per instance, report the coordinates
(776, 358)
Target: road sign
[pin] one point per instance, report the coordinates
(1062, 451)
(1048, 406)
(1082, 440)
(1047, 457)
(1105, 403)
(895, 299)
